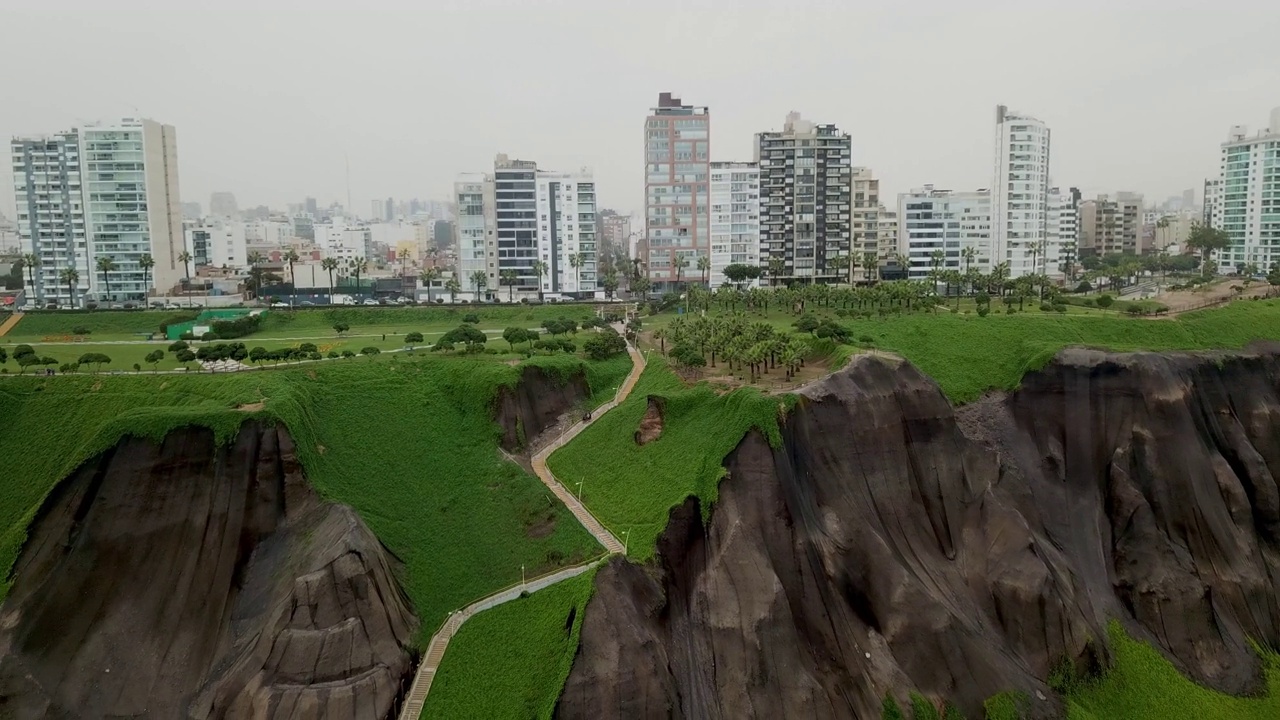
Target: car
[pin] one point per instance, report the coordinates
(279, 304)
(307, 303)
(370, 301)
(172, 306)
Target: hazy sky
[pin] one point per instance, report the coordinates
(269, 95)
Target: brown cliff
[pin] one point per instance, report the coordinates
(535, 403)
(891, 544)
(191, 580)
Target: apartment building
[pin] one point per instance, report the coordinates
(934, 220)
(806, 183)
(864, 225)
(567, 229)
(677, 146)
(735, 218)
(1020, 194)
(1248, 202)
(886, 232)
(474, 195)
(1063, 227)
(106, 190)
(1110, 225)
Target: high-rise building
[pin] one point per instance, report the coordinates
(887, 232)
(310, 207)
(1062, 254)
(615, 234)
(376, 210)
(864, 224)
(945, 230)
(474, 193)
(1188, 199)
(516, 222)
(735, 218)
(390, 208)
(1020, 195)
(805, 194)
(1211, 215)
(677, 196)
(191, 210)
(106, 191)
(223, 204)
(1110, 225)
(566, 235)
(1249, 197)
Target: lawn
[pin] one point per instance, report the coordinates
(408, 441)
(105, 325)
(1143, 684)
(512, 661)
(631, 488)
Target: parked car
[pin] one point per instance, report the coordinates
(280, 304)
(172, 306)
(370, 301)
(308, 303)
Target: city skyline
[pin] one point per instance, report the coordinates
(1120, 114)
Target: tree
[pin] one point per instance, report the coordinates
(154, 358)
(610, 283)
(146, 262)
(370, 351)
(1105, 301)
(428, 276)
(186, 357)
(185, 258)
(31, 261)
(255, 259)
(291, 257)
(358, 265)
(576, 261)
(341, 327)
(467, 334)
(540, 268)
(412, 339)
(257, 355)
(329, 264)
(71, 277)
(1207, 240)
(479, 281)
(840, 264)
(704, 267)
(4, 356)
(515, 335)
(777, 266)
(454, 287)
(680, 262)
(605, 344)
(508, 278)
(97, 360)
(106, 265)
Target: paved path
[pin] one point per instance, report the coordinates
(417, 697)
(8, 324)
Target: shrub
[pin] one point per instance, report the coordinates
(1084, 287)
(955, 311)
(688, 356)
(137, 367)
(806, 323)
(81, 330)
(333, 355)
(341, 327)
(307, 347)
(466, 334)
(178, 346)
(348, 354)
(370, 351)
(890, 710)
(313, 356)
(241, 326)
(209, 336)
(188, 336)
(605, 344)
(984, 310)
(1105, 301)
(472, 318)
(1046, 307)
(413, 338)
(922, 708)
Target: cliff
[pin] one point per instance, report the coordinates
(193, 580)
(891, 545)
(535, 403)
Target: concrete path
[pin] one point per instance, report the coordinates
(8, 324)
(413, 704)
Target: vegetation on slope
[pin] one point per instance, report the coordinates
(1143, 684)
(512, 661)
(642, 483)
(409, 443)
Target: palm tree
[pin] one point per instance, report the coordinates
(854, 261)
(704, 266)
(146, 262)
(427, 276)
(540, 268)
(106, 265)
(777, 266)
(454, 287)
(661, 336)
(839, 263)
(680, 262)
(185, 258)
(70, 276)
(329, 264)
(291, 257)
(508, 278)
(868, 264)
(576, 260)
(31, 261)
(358, 265)
(256, 258)
(479, 280)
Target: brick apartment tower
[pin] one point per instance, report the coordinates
(677, 148)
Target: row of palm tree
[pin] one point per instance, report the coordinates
(754, 346)
(105, 265)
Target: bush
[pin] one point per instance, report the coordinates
(209, 336)
(984, 310)
(187, 336)
(348, 354)
(178, 346)
(241, 326)
(605, 344)
(413, 338)
(806, 323)
(341, 327)
(1046, 307)
(1084, 287)
(80, 330)
(472, 318)
(370, 351)
(333, 355)
(307, 348)
(1105, 301)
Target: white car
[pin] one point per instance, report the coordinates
(370, 301)
(280, 304)
(172, 306)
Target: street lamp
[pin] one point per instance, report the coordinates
(580, 489)
(522, 581)
(626, 540)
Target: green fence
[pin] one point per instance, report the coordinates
(175, 332)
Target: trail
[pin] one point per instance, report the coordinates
(426, 672)
(8, 324)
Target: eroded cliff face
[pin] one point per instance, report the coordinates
(892, 545)
(190, 580)
(535, 403)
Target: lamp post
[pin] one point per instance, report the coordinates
(626, 540)
(580, 489)
(522, 581)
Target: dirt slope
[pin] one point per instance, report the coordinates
(882, 550)
(188, 580)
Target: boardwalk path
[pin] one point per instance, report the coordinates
(440, 641)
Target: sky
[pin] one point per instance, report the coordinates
(272, 98)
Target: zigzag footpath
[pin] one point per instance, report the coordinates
(426, 672)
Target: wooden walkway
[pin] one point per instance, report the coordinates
(426, 672)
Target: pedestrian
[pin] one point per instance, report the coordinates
(384, 337)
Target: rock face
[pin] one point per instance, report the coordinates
(535, 403)
(189, 580)
(891, 545)
(650, 428)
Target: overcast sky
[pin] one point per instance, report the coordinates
(269, 96)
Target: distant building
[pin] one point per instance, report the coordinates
(1248, 203)
(474, 193)
(805, 195)
(735, 219)
(191, 211)
(1063, 227)
(1020, 193)
(864, 222)
(677, 140)
(1110, 225)
(886, 232)
(951, 223)
(223, 204)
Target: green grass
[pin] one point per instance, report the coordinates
(632, 488)
(114, 325)
(968, 355)
(409, 442)
(1143, 684)
(376, 320)
(512, 661)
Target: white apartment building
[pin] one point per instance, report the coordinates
(344, 240)
(218, 243)
(932, 220)
(1248, 202)
(886, 232)
(1212, 215)
(269, 232)
(566, 228)
(735, 219)
(1063, 233)
(474, 194)
(1020, 195)
(101, 191)
(864, 224)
